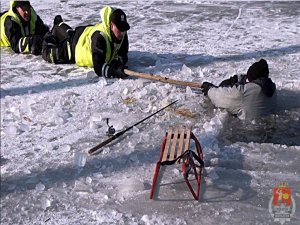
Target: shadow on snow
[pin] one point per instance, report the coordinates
(68, 174)
(145, 59)
(39, 88)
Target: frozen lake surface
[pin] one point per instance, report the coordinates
(51, 114)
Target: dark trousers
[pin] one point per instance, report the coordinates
(57, 45)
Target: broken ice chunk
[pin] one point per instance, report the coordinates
(80, 159)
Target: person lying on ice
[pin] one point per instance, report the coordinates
(246, 96)
(103, 46)
(22, 29)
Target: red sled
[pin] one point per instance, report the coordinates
(175, 148)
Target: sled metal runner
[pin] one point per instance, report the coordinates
(97, 149)
(175, 148)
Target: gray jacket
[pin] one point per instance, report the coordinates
(246, 100)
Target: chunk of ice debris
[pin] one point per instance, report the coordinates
(215, 161)
(91, 75)
(92, 125)
(125, 91)
(59, 120)
(11, 130)
(80, 159)
(45, 202)
(102, 82)
(189, 92)
(200, 71)
(88, 180)
(145, 219)
(131, 145)
(65, 148)
(40, 187)
(98, 175)
(96, 117)
(24, 127)
(135, 130)
(95, 120)
(186, 70)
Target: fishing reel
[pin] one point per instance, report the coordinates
(111, 130)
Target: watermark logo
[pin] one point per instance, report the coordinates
(282, 205)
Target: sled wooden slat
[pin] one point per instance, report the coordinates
(181, 141)
(174, 142)
(187, 139)
(166, 151)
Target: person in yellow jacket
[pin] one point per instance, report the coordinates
(103, 46)
(22, 29)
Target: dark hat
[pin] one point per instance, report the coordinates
(258, 69)
(118, 17)
(22, 3)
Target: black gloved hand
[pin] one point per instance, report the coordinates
(49, 38)
(116, 69)
(206, 86)
(36, 44)
(229, 82)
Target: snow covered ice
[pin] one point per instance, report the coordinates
(52, 114)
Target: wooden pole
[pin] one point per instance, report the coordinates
(162, 79)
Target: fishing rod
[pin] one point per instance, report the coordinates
(97, 149)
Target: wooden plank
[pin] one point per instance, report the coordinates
(181, 139)
(187, 139)
(167, 146)
(162, 79)
(174, 142)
